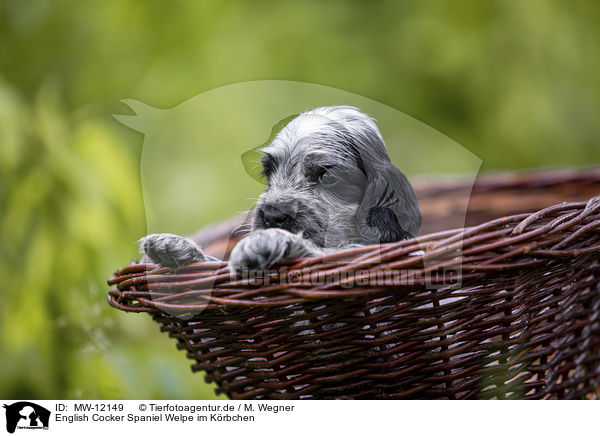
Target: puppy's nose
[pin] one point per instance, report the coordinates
(275, 217)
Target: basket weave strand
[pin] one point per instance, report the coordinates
(507, 308)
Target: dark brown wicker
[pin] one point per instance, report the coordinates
(514, 314)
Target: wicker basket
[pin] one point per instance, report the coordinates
(520, 318)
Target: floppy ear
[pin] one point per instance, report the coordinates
(389, 210)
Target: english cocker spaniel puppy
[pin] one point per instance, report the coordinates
(330, 185)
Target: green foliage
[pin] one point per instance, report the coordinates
(71, 211)
(515, 82)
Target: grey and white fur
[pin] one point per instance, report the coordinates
(330, 185)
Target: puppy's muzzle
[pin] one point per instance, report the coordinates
(272, 216)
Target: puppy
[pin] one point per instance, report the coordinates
(330, 185)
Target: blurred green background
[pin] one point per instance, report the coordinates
(515, 82)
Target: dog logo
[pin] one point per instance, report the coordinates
(26, 415)
(330, 178)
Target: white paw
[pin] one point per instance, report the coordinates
(170, 250)
(263, 248)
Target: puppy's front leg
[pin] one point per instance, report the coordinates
(171, 250)
(263, 248)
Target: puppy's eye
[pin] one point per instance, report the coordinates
(327, 179)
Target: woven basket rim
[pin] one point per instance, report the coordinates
(148, 288)
(518, 319)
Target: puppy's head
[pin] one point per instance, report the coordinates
(329, 176)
